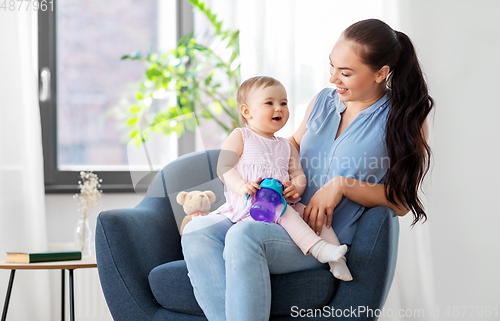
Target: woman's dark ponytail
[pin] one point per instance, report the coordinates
(407, 148)
(409, 152)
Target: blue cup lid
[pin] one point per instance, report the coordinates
(276, 186)
(273, 184)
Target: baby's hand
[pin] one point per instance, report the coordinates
(290, 191)
(250, 188)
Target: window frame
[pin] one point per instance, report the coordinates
(65, 181)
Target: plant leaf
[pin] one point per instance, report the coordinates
(135, 109)
(194, 73)
(133, 56)
(217, 107)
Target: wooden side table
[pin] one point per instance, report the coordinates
(63, 266)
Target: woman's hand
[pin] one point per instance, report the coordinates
(290, 192)
(323, 202)
(250, 188)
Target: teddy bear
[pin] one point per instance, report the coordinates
(195, 203)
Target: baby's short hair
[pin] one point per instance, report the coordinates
(252, 83)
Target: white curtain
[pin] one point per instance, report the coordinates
(22, 199)
(413, 293)
(291, 40)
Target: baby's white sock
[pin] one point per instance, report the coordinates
(326, 252)
(340, 270)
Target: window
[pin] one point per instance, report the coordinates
(83, 79)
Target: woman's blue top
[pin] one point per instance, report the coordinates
(359, 152)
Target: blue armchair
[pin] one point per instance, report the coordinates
(144, 277)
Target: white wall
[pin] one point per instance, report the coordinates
(459, 46)
(62, 213)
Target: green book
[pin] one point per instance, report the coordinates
(17, 257)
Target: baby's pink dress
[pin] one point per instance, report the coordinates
(261, 157)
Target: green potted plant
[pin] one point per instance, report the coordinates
(202, 79)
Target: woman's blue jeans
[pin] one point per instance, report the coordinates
(230, 265)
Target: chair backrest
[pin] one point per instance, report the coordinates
(195, 171)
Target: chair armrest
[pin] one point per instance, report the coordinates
(129, 244)
(372, 262)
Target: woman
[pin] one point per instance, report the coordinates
(361, 144)
(371, 65)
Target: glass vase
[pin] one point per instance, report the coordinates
(84, 238)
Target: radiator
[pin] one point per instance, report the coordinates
(89, 299)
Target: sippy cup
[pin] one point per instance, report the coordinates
(266, 200)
